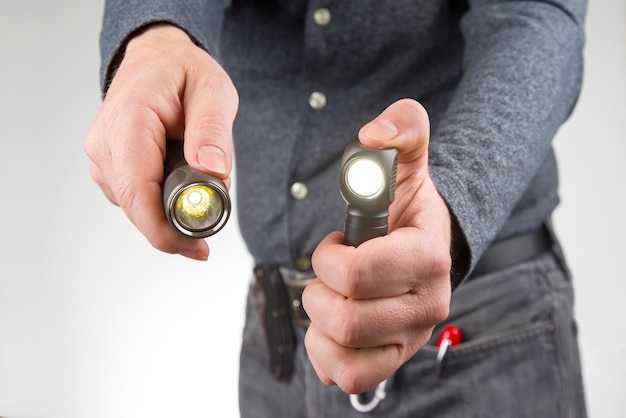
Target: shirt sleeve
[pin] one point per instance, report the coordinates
(201, 19)
(522, 73)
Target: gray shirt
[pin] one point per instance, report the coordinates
(497, 78)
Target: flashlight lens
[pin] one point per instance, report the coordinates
(365, 178)
(199, 208)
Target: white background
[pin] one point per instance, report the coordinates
(95, 323)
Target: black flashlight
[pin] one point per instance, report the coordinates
(196, 204)
(368, 184)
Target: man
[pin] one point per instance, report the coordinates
(490, 82)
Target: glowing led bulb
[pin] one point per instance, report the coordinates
(365, 178)
(195, 197)
(199, 207)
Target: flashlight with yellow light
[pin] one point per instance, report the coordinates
(367, 183)
(196, 204)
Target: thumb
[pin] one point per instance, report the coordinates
(404, 125)
(210, 104)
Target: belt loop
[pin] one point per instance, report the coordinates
(557, 249)
(295, 289)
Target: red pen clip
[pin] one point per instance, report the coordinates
(450, 336)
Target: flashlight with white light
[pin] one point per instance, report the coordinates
(368, 184)
(196, 204)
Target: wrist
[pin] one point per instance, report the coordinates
(160, 38)
(156, 35)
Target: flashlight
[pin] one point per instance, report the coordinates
(367, 183)
(196, 204)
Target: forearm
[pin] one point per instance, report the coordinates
(202, 20)
(522, 74)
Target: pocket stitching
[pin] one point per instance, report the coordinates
(493, 341)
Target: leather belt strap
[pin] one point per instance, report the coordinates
(511, 251)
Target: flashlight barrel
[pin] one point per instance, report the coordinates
(359, 228)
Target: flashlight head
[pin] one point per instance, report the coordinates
(368, 185)
(368, 177)
(196, 204)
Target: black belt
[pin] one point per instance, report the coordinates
(282, 289)
(511, 251)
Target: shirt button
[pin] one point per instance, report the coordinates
(317, 100)
(322, 16)
(303, 263)
(299, 190)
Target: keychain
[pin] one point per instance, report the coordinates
(450, 336)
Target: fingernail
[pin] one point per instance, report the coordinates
(381, 129)
(194, 255)
(213, 159)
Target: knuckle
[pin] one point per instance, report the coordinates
(439, 312)
(226, 86)
(210, 123)
(433, 292)
(127, 195)
(91, 146)
(440, 262)
(161, 243)
(346, 326)
(102, 182)
(96, 175)
(213, 126)
(413, 107)
(211, 76)
(436, 308)
(356, 278)
(126, 192)
(353, 380)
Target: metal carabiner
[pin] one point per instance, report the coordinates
(379, 394)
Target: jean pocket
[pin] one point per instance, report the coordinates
(512, 373)
(509, 361)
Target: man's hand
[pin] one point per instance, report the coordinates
(165, 87)
(374, 306)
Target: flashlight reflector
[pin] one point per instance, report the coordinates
(196, 203)
(198, 207)
(365, 177)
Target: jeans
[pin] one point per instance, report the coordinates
(518, 358)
